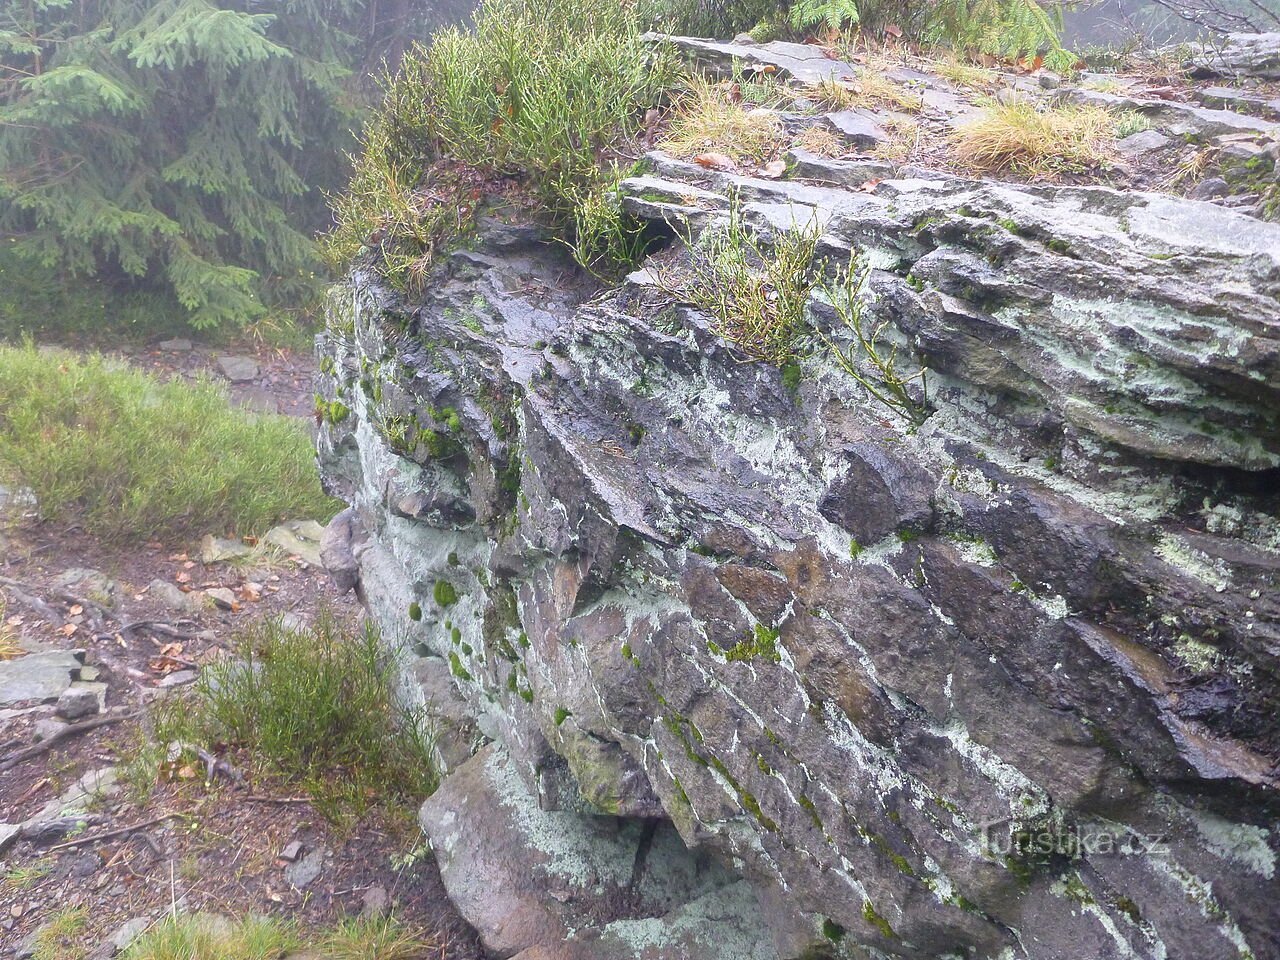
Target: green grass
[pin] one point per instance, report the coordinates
(199, 937)
(315, 706)
(133, 459)
(62, 936)
(507, 111)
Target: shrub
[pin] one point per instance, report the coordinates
(532, 104)
(756, 294)
(1025, 138)
(131, 458)
(319, 706)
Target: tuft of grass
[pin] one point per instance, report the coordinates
(319, 706)
(132, 458)
(1130, 122)
(756, 293)
(62, 936)
(823, 141)
(8, 639)
(376, 939)
(506, 108)
(1024, 138)
(25, 877)
(198, 937)
(962, 73)
(867, 89)
(707, 120)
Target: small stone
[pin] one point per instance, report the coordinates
(305, 871)
(238, 369)
(172, 597)
(78, 701)
(1050, 81)
(128, 932)
(46, 728)
(46, 832)
(288, 541)
(1142, 142)
(1210, 189)
(178, 678)
(218, 549)
(222, 598)
(9, 833)
(292, 851)
(376, 903)
(857, 128)
(91, 584)
(176, 345)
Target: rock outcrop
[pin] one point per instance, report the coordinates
(762, 668)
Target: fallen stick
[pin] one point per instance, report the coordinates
(11, 760)
(119, 831)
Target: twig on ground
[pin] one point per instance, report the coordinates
(167, 629)
(119, 831)
(32, 603)
(11, 760)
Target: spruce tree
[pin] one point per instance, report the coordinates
(183, 144)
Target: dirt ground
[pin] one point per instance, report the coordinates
(213, 845)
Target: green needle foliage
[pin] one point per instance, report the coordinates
(532, 105)
(178, 144)
(133, 459)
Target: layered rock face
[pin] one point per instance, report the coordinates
(731, 662)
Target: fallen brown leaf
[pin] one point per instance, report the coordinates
(715, 161)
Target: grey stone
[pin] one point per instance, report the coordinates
(1210, 189)
(292, 851)
(47, 727)
(302, 873)
(38, 676)
(238, 369)
(1175, 118)
(287, 539)
(805, 62)
(91, 584)
(80, 700)
(223, 598)
(859, 129)
(128, 932)
(177, 345)
(9, 833)
(340, 541)
(217, 549)
(376, 903)
(172, 597)
(177, 679)
(1142, 142)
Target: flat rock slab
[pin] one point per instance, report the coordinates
(857, 128)
(804, 62)
(38, 676)
(1142, 142)
(297, 539)
(219, 550)
(1180, 119)
(238, 369)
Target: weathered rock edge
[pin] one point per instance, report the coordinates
(1004, 686)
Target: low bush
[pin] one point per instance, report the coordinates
(316, 706)
(532, 105)
(1032, 140)
(132, 458)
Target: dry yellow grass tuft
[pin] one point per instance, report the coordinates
(868, 89)
(823, 141)
(8, 640)
(708, 121)
(964, 74)
(904, 137)
(1021, 137)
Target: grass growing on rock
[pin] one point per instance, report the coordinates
(508, 108)
(708, 120)
(1031, 140)
(131, 458)
(755, 292)
(316, 706)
